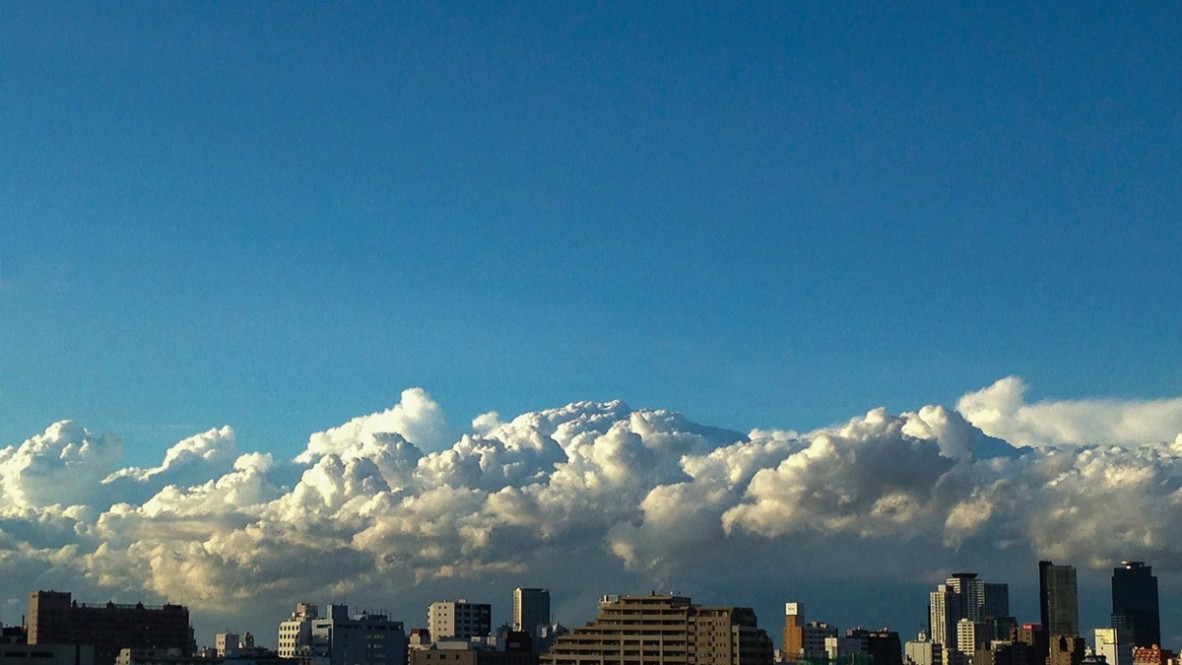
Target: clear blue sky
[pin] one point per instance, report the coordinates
(279, 215)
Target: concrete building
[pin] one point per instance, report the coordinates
(1154, 655)
(459, 618)
(295, 634)
(663, 630)
(1058, 599)
(1115, 644)
(923, 651)
(531, 610)
(55, 618)
(1134, 603)
(362, 639)
(226, 644)
(814, 634)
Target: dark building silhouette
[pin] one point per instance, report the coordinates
(1034, 636)
(54, 618)
(1058, 600)
(1134, 603)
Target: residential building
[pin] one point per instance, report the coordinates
(55, 618)
(295, 634)
(227, 645)
(663, 630)
(1058, 599)
(531, 610)
(1154, 655)
(459, 619)
(1134, 602)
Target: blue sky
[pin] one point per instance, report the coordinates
(279, 216)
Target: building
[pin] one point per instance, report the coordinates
(883, 645)
(1115, 644)
(459, 619)
(226, 645)
(962, 597)
(47, 654)
(814, 634)
(531, 610)
(362, 639)
(1066, 650)
(663, 630)
(1003, 652)
(793, 642)
(923, 651)
(295, 634)
(1058, 599)
(1153, 655)
(55, 618)
(1134, 603)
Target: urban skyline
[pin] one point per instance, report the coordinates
(387, 303)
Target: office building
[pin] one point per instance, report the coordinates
(1134, 603)
(1058, 599)
(459, 619)
(361, 639)
(531, 610)
(1115, 644)
(55, 618)
(663, 630)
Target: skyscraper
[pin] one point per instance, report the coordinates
(531, 608)
(1134, 602)
(963, 596)
(1058, 600)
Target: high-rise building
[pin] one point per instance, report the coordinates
(531, 610)
(663, 630)
(1134, 603)
(793, 644)
(55, 618)
(459, 619)
(963, 596)
(1115, 644)
(1058, 599)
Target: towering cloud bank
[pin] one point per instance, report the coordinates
(599, 485)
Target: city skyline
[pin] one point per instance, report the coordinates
(389, 303)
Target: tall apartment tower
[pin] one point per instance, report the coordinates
(663, 630)
(1134, 603)
(1058, 599)
(459, 619)
(793, 631)
(1115, 645)
(531, 609)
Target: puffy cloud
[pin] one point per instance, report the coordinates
(615, 490)
(1001, 410)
